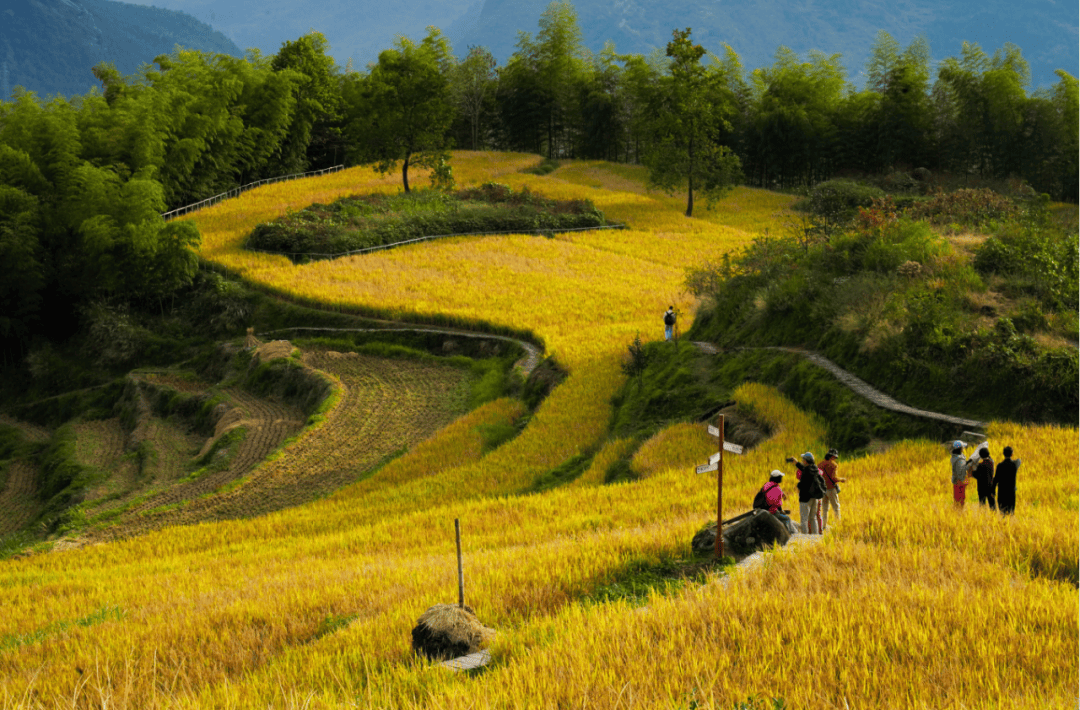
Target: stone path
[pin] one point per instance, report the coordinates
(856, 385)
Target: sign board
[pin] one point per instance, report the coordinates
(705, 468)
(728, 446)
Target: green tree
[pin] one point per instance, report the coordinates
(402, 111)
(982, 100)
(902, 119)
(541, 85)
(475, 83)
(605, 110)
(317, 109)
(792, 137)
(562, 62)
(691, 108)
(1066, 100)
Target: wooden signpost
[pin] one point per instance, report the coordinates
(716, 463)
(720, 489)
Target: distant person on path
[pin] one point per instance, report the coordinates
(811, 490)
(1005, 482)
(984, 476)
(832, 487)
(774, 499)
(669, 322)
(959, 473)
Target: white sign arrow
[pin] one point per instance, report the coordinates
(728, 446)
(705, 468)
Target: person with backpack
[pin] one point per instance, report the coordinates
(984, 476)
(1005, 482)
(669, 322)
(771, 498)
(832, 487)
(811, 490)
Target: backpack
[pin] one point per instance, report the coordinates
(819, 486)
(669, 319)
(761, 500)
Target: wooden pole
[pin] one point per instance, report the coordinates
(720, 491)
(460, 576)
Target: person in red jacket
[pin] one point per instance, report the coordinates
(832, 488)
(774, 499)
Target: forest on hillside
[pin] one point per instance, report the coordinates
(83, 181)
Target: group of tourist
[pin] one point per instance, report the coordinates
(819, 486)
(819, 490)
(996, 487)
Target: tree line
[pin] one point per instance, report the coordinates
(82, 181)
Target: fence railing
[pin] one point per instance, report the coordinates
(380, 247)
(244, 188)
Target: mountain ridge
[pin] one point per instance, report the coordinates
(50, 46)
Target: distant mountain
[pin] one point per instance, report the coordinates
(1046, 30)
(356, 29)
(49, 46)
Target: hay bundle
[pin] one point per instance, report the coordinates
(448, 631)
(251, 341)
(273, 350)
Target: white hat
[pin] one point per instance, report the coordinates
(776, 473)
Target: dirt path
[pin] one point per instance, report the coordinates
(856, 385)
(525, 365)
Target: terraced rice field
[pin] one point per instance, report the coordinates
(384, 407)
(906, 604)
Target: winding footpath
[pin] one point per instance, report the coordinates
(856, 385)
(525, 365)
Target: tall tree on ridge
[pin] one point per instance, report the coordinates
(402, 111)
(691, 111)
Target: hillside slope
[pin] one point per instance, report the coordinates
(49, 47)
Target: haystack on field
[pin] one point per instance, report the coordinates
(906, 604)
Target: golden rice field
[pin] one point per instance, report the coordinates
(906, 604)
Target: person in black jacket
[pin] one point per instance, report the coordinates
(811, 490)
(984, 475)
(1005, 482)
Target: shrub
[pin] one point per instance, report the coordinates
(968, 207)
(837, 200)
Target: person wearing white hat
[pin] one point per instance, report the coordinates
(959, 473)
(771, 498)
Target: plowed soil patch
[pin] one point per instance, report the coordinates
(100, 444)
(181, 383)
(30, 432)
(18, 504)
